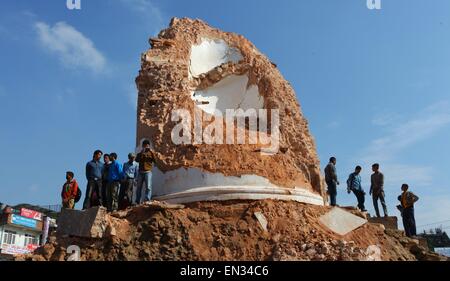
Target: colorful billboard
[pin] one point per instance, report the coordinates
(32, 247)
(15, 250)
(31, 214)
(23, 221)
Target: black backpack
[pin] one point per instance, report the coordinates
(79, 194)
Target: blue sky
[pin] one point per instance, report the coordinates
(373, 84)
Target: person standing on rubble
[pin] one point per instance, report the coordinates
(377, 189)
(332, 180)
(94, 170)
(146, 160)
(407, 200)
(115, 176)
(131, 172)
(354, 185)
(69, 191)
(106, 164)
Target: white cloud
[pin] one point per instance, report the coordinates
(400, 135)
(29, 14)
(71, 46)
(144, 6)
(406, 133)
(395, 174)
(148, 11)
(385, 119)
(420, 176)
(432, 209)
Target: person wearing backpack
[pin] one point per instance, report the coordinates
(407, 200)
(354, 185)
(70, 193)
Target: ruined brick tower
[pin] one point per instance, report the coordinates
(199, 69)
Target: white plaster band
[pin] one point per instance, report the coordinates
(221, 193)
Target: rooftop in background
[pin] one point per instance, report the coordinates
(437, 240)
(48, 210)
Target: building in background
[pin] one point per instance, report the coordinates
(438, 241)
(23, 230)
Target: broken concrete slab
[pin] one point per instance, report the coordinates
(159, 206)
(373, 253)
(90, 223)
(153, 205)
(261, 219)
(341, 221)
(388, 222)
(356, 211)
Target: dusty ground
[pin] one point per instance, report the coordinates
(229, 231)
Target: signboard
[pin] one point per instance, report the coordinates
(19, 220)
(32, 247)
(31, 214)
(15, 250)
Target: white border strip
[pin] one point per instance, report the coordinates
(222, 193)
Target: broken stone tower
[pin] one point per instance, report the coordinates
(190, 77)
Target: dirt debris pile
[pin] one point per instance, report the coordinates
(230, 231)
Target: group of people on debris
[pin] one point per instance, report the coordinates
(111, 184)
(407, 198)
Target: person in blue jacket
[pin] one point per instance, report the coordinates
(354, 185)
(115, 176)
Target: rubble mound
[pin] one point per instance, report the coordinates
(232, 231)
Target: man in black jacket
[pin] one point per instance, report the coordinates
(331, 180)
(106, 164)
(94, 169)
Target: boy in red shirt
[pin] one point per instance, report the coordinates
(69, 191)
